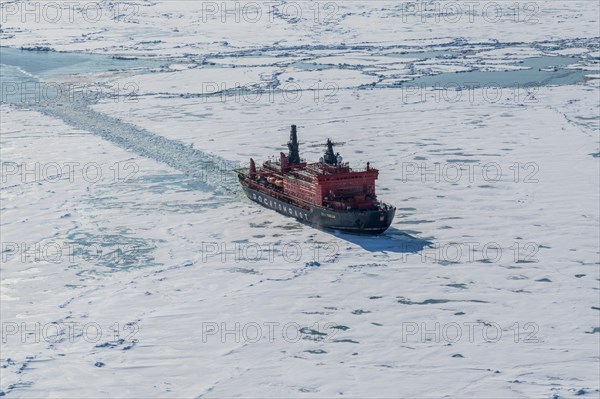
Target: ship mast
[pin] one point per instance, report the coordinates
(330, 157)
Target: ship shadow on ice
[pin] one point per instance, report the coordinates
(393, 240)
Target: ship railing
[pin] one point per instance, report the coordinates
(385, 206)
(361, 169)
(347, 165)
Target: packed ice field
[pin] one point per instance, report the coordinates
(134, 266)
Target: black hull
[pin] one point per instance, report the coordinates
(369, 222)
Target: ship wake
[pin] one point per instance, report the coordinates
(214, 172)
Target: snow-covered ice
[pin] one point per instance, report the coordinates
(133, 266)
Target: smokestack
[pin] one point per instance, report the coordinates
(294, 153)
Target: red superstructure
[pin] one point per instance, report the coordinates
(331, 186)
(328, 193)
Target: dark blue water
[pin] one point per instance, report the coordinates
(49, 63)
(23, 72)
(541, 71)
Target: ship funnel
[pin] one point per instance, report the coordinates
(293, 146)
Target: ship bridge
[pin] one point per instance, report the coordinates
(330, 182)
